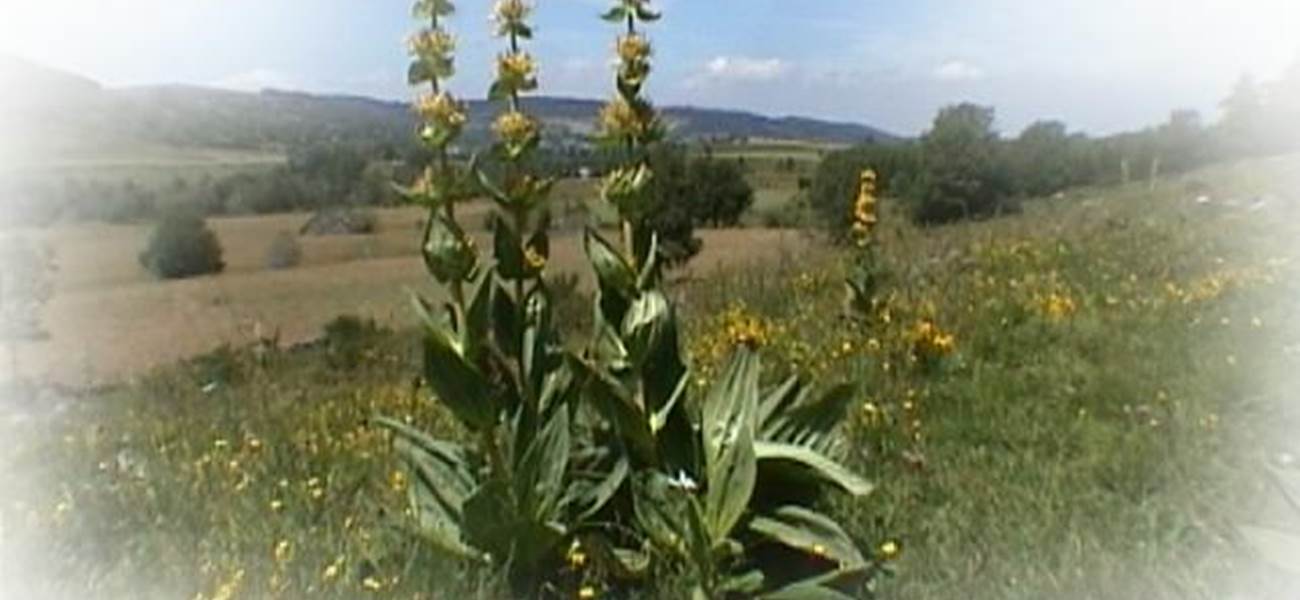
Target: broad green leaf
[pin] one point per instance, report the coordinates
(806, 591)
(811, 424)
(746, 584)
(443, 482)
(660, 511)
(730, 459)
(494, 523)
(613, 272)
(598, 496)
(615, 15)
(776, 402)
(811, 532)
(800, 463)
(610, 399)
(448, 254)
(457, 383)
(539, 476)
(644, 323)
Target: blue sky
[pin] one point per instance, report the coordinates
(1100, 65)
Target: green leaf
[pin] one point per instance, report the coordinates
(804, 464)
(494, 523)
(539, 476)
(509, 250)
(810, 424)
(660, 511)
(811, 532)
(613, 272)
(746, 584)
(596, 497)
(644, 324)
(448, 254)
(806, 591)
(443, 482)
(615, 15)
(644, 14)
(612, 401)
(730, 459)
(457, 383)
(776, 402)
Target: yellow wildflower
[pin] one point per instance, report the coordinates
(431, 43)
(397, 480)
(533, 258)
(889, 550)
(510, 13)
(514, 128)
(633, 48)
(281, 551)
(576, 557)
(618, 118)
(441, 109)
(586, 592)
(373, 584)
(515, 68)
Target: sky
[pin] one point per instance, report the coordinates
(1099, 65)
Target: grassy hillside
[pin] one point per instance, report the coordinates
(1122, 357)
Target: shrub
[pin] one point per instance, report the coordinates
(180, 246)
(348, 339)
(964, 173)
(720, 195)
(284, 252)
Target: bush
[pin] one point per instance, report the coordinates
(284, 252)
(348, 339)
(182, 246)
(964, 172)
(720, 194)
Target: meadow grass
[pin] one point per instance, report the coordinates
(1095, 434)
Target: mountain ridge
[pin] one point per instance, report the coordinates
(56, 110)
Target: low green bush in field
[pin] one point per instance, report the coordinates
(180, 246)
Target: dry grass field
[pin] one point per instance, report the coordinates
(109, 319)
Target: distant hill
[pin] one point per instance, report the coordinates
(64, 114)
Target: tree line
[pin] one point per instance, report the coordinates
(962, 168)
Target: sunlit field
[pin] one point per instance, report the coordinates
(1117, 376)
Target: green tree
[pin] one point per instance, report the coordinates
(1040, 159)
(964, 175)
(720, 193)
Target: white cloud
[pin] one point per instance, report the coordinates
(742, 68)
(258, 79)
(958, 70)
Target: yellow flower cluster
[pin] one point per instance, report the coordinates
(1057, 307)
(619, 119)
(633, 48)
(515, 129)
(864, 208)
(432, 44)
(441, 110)
(510, 14)
(516, 69)
(929, 342)
(534, 259)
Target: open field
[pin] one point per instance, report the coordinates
(146, 165)
(109, 318)
(1125, 363)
